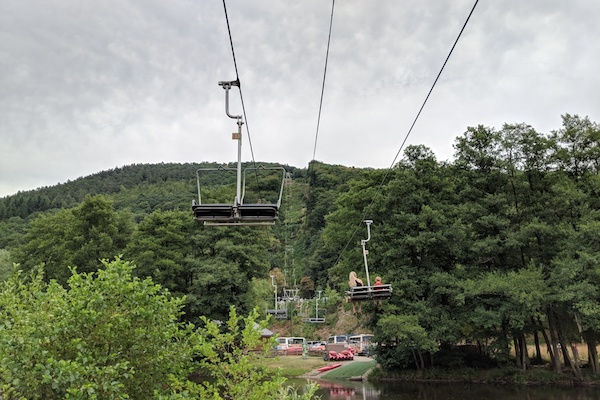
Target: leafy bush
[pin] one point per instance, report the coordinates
(107, 335)
(228, 356)
(110, 335)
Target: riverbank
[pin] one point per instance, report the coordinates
(293, 366)
(495, 376)
(308, 368)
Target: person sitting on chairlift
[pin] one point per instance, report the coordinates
(353, 282)
(378, 286)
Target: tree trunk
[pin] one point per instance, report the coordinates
(538, 352)
(593, 356)
(415, 358)
(421, 360)
(553, 343)
(552, 352)
(517, 348)
(565, 351)
(524, 353)
(504, 342)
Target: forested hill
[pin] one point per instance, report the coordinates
(111, 181)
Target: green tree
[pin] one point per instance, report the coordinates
(107, 335)
(6, 265)
(80, 236)
(403, 338)
(162, 247)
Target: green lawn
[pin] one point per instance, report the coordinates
(350, 370)
(293, 365)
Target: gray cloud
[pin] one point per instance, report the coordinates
(88, 85)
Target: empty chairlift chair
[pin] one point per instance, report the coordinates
(238, 212)
(316, 319)
(362, 293)
(280, 313)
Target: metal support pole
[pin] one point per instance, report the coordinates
(317, 304)
(238, 197)
(275, 286)
(363, 243)
(236, 136)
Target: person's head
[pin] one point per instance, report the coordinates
(352, 278)
(378, 279)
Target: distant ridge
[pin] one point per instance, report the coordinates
(71, 193)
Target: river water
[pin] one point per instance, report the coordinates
(346, 390)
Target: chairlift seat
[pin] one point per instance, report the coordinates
(314, 320)
(213, 212)
(277, 314)
(362, 293)
(226, 213)
(259, 212)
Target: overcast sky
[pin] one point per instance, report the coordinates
(91, 85)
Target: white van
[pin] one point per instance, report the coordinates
(341, 339)
(362, 344)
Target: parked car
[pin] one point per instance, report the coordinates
(316, 345)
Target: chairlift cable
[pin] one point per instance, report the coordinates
(324, 76)
(409, 131)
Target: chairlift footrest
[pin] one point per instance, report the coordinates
(361, 293)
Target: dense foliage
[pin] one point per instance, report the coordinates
(109, 335)
(494, 250)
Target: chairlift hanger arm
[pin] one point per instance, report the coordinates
(237, 213)
(228, 85)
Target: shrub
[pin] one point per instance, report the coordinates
(110, 335)
(107, 335)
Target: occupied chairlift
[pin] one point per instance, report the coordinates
(315, 320)
(237, 213)
(276, 313)
(360, 293)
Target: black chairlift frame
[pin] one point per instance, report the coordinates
(277, 314)
(280, 313)
(315, 320)
(362, 293)
(236, 213)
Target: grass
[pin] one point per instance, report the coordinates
(350, 370)
(291, 366)
(581, 349)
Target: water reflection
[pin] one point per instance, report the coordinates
(345, 390)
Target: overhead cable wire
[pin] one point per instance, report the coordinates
(324, 76)
(389, 169)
